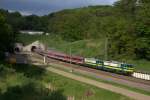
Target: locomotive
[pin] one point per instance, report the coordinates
(112, 66)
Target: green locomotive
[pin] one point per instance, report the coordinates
(112, 66)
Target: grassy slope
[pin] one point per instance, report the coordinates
(86, 48)
(104, 81)
(24, 82)
(93, 47)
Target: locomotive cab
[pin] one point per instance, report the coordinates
(127, 68)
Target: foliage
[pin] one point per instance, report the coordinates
(125, 24)
(143, 30)
(16, 85)
(84, 48)
(19, 22)
(7, 36)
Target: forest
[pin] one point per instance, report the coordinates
(125, 24)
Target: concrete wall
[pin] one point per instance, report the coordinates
(32, 32)
(141, 76)
(37, 44)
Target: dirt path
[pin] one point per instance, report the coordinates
(104, 77)
(112, 88)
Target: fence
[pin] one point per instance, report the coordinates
(141, 75)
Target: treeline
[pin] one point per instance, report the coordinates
(12, 23)
(125, 24)
(7, 37)
(19, 22)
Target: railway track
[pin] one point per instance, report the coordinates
(121, 79)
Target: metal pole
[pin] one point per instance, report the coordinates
(70, 55)
(44, 59)
(70, 59)
(106, 48)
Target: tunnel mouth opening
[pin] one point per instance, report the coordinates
(33, 48)
(17, 49)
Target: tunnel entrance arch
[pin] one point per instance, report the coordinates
(17, 49)
(33, 48)
(35, 45)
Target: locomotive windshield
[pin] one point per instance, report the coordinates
(99, 61)
(131, 66)
(127, 65)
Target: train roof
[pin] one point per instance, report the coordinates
(63, 54)
(116, 62)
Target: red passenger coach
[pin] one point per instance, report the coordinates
(65, 57)
(77, 59)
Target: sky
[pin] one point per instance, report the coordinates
(43, 7)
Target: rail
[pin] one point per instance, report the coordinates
(138, 75)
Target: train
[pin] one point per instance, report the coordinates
(111, 66)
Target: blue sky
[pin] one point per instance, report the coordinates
(42, 7)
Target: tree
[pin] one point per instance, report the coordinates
(126, 7)
(143, 30)
(7, 37)
(15, 19)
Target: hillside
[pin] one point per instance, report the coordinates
(125, 25)
(127, 31)
(85, 48)
(122, 30)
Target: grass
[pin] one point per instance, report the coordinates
(141, 65)
(85, 48)
(79, 90)
(92, 47)
(26, 82)
(105, 81)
